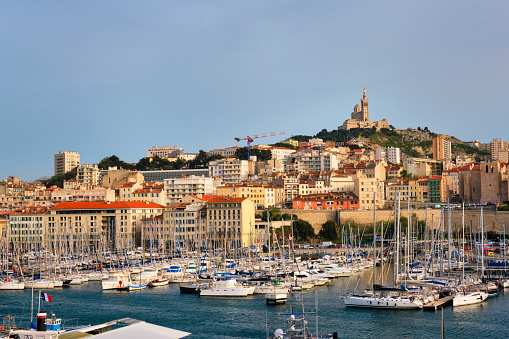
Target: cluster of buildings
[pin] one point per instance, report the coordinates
(118, 209)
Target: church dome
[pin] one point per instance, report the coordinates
(356, 108)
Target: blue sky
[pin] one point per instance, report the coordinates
(118, 77)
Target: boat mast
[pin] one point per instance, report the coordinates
(374, 240)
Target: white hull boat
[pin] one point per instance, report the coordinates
(469, 298)
(116, 280)
(225, 288)
(12, 285)
(389, 302)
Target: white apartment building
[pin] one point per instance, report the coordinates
(231, 170)
(66, 161)
(394, 155)
(88, 175)
(177, 188)
(281, 153)
(316, 162)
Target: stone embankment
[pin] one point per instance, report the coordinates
(493, 220)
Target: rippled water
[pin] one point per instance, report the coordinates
(250, 317)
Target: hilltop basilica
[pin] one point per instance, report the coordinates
(360, 117)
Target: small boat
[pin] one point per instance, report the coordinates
(116, 280)
(159, 282)
(133, 287)
(192, 288)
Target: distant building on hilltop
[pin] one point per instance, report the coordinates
(360, 117)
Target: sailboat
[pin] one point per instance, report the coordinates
(383, 297)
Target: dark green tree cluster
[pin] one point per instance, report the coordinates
(157, 163)
(202, 160)
(261, 154)
(58, 180)
(330, 231)
(114, 161)
(303, 230)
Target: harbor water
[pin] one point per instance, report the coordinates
(250, 317)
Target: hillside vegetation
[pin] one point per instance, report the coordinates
(413, 143)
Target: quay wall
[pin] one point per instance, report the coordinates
(493, 220)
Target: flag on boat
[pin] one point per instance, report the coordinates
(46, 297)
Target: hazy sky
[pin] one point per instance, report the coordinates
(118, 77)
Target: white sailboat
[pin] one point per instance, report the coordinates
(469, 297)
(386, 298)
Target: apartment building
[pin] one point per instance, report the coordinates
(88, 175)
(327, 201)
(163, 151)
(442, 148)
(365, 188)
(290, 183)
(316, 162)
(125, 192)
(110, 225)
(177, 188)
(394, 155)
(495, 146)
(155, 233)
(187, 225)
(231, 222)
(66, 161)
(436, 189)
(28, 229)
(263, 196)
(155, 195)
(231, 170)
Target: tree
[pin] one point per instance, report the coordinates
(58, 180)
(261, 154)
(114, 161)
(329, 231)
(303, 230)
(274, 213)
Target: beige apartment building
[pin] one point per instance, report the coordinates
(187, 226)
(231, 222)
(88, 175)
(264, 196)
(495, 146)
(364, 190)
(442, 148)
(100, 225)
(66, 161)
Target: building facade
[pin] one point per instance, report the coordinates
(66, 161)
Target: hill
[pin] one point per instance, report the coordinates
(412, 142)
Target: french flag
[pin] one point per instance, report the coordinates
(46, 297)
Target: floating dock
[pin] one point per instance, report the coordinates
(442, 302)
